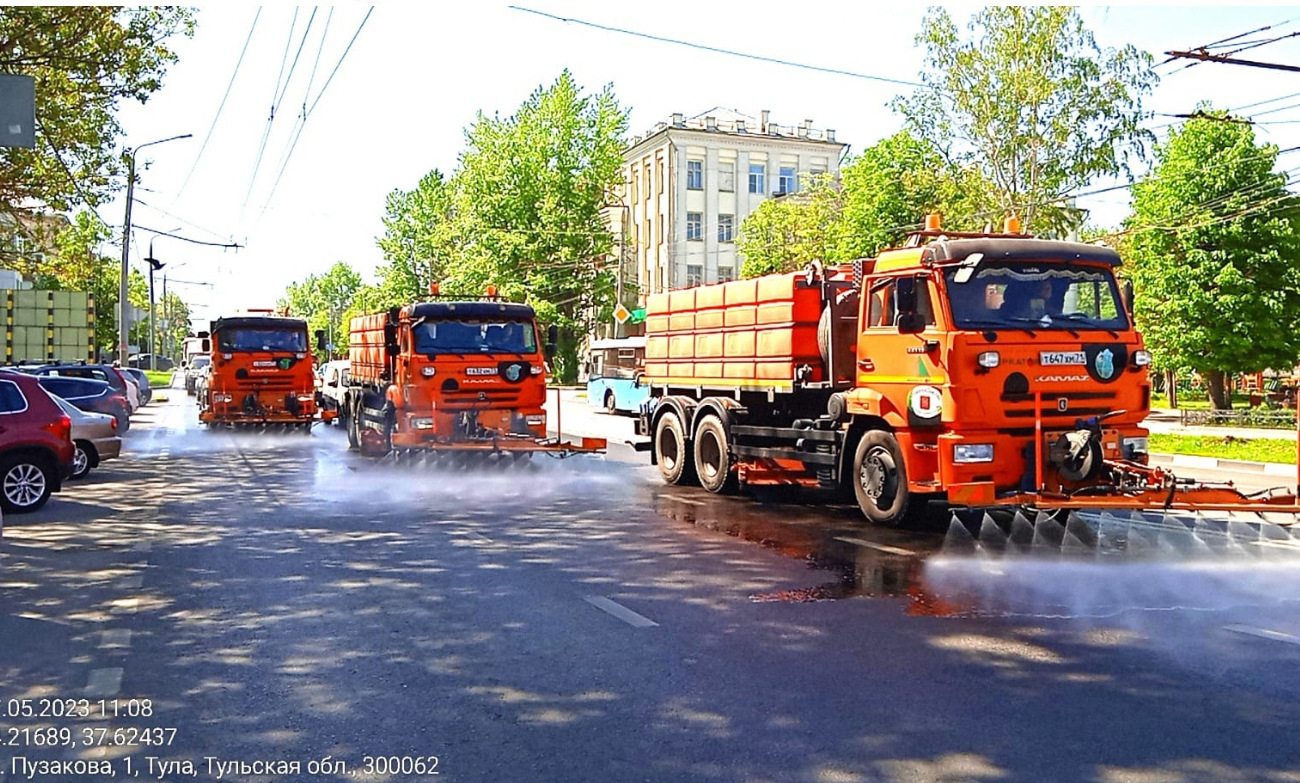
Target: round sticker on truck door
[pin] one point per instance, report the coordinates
(925, 402)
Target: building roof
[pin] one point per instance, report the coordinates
(734, 122)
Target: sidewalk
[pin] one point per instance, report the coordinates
(1167, 421)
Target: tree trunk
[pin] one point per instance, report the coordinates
(1220, 395)
(1171, 387)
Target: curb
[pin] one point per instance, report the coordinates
(1214, 463)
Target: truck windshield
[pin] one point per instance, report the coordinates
(432, 337)
(262, 340)
(1037, 296)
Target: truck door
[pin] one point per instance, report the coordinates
(894, 363)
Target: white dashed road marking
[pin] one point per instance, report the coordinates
(892, 550)
(104, 682)
(132, 582)
(1263, 633)
(115, 639)
(621, 612)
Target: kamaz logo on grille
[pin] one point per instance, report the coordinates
(480, 371)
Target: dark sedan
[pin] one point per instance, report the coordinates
(89, 394)
(141, 380)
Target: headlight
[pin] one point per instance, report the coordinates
(1132, 446)
(972, 452)
(536, 369)
(536, 419)
(428, 372)
(989, 359)
(305, 398)
(1141, 358)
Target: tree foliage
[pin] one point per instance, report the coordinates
(1032, 100)
(85, 60)
(1214, 238)
(785, 234)
(523, 211)
(324, 300)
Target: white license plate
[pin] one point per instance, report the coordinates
(1059, 358)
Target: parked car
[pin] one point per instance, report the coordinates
(36, 451)
(90, 395)
(201, 384)
(94, 436)
(142, 380)
(334, 382)
(196, 367)
(143, 362)
(100, 372)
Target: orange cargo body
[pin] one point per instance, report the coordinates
(754, 333)
(368, 357)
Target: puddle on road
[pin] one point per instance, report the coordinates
(828, 537)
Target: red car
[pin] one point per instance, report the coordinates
(36, 451)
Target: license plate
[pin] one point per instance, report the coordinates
(1059, 358)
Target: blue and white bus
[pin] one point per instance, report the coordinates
(614, 370)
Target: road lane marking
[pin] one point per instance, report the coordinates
(1263, 633)
(687, 501)
(104, 682)
(143, 546)
(621, 612)
(115, 638)
(132, 582)
(892, 550)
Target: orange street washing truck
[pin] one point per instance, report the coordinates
(986, 370)
(261, 372)
(465, 379)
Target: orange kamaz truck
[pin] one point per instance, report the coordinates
(462, 379)
(980, 369)
(261, 372)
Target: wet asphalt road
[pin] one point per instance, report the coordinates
(276, 598)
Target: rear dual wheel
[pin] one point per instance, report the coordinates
(713, 463)
(671, 451)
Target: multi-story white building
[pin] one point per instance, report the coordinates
(690, 183)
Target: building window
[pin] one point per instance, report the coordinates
(695, 226)
(789, 183)
(726, 273)
(757, 176)
(695, 175)
(659, 177)
(694, 275)
(817, 170)
(726, 228)
(727, 177)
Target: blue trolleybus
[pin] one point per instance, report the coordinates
(614, 370)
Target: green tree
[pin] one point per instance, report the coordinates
(324, 299)
(891, 186)
(85, 61)
(529, 207)
(1032, 100)
(420, 238)
(1214, 237)
(785, 234)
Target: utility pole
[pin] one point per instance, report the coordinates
(123, 307)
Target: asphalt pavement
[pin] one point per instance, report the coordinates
(273, 600)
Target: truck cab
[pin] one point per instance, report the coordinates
(261, 372)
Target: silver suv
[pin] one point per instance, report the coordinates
(196, 368)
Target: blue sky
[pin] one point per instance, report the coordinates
(418, 74)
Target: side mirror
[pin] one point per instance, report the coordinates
(552, 337)
(320, 340)
(206, 345)
(1126, 294)
(184, 365)
(906, 300)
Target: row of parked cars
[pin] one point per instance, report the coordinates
(59, 421)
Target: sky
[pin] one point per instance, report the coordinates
(397, 104)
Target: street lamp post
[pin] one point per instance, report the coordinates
(124, 314)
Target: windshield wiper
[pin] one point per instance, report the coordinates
(1003, 324)
(1083, 319)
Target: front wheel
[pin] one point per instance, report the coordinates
(880, 481)
(671, 452)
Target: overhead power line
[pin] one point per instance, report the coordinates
(270, 120)
(227, 245)
(717, 50)
(220, 106)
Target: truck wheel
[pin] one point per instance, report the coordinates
(880, 481)
(353, 421)
(674, 459)
(713, 457)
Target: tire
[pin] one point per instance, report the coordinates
(675, 461)
(354, 438)
(25, 483)
(880, 481)
(86, 458)
(611, 404)
(712, 452)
